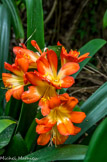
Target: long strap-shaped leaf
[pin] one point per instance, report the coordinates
(95, 108)
(16, 20)
(98, 144)
(27, 114)
(5, 21)
(66, 152)
(35, 27)
(16, 147)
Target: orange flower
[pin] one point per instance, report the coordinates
(26, 56)
(58, 124)
(14, 82)
(72, 56)
(41, 89)
(47, 68)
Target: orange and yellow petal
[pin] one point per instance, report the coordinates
(43, 139)
(67, 82)
(28, 54)
(76, 130)
(43, 128)
(77, 117)
(83, 57)
(13, 68)
(16, 93)
(22, 63)
(68, 69)
(44, 104)
(71, 103)
(34, 44)
(59, 139)
(66, 127)
(54, 102)
(42, 121)
(43, 66)
(53, 61)
(32, 95)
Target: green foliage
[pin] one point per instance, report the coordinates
(27, 114)
(31, 135)
(16, 147)
(5, 20)
(4, 123)
(98, 144)
(6, 135)
(105, 20)
(16, 20)
(66, 152)
(35, 26)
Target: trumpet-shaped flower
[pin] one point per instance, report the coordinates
(14, 82)
(26, 56)
(41, 89)
(47, 68)
(58, 124)
(72, 56)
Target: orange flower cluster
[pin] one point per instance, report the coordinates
(39, 71)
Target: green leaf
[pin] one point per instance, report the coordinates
(17, 147)
(13, 108)
(95, 108)
(5, 21)
(16, 20)
(4, 123)
(28, 113)
(98, 144)
(105, 20)
(1, 151)
(92, 47)
(35, 26)
(57, 49)
(6, 135)
(31, 135)
(65, 152)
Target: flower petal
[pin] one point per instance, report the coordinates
(65, 128)
(71, 103)
(44, 107)
(43, 66)
(64, 97)
(28, 54)
(83, 57)
(35, 79)
(17, 93)
(42, 121)
(76, 130)
(34, 44)
(67, 81)
(59, 139)
(32, 95)
(13, 68)
(53, 61)
(22, 63)
(8, 94)
(43, 139)
(54, 102)
(68, 69)
(77, 117)
(43, 128)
